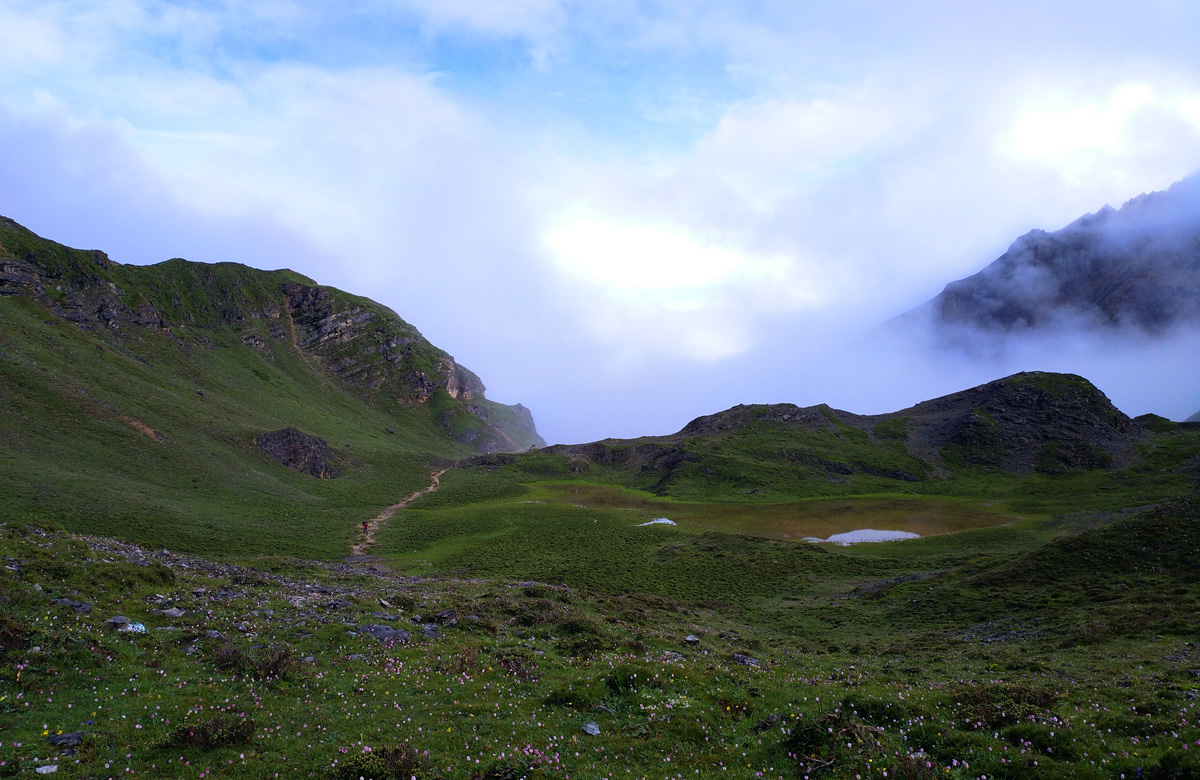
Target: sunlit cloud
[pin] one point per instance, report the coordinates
(627, 257)
(1103, 136)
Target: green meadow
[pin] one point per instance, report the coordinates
(529, 619)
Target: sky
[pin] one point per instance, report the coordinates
(623, 213)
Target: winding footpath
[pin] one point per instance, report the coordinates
(359, 550)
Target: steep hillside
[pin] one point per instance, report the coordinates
(1134, 267)
(1029, 423)
(135, 398)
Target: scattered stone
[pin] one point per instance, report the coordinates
(173, 613)
(384, 604)
(70, 739)
(215, 634)
(417, 619)
(384, 616)
(602, 708)
(447, 618)
(309, 659)
(48, 769)
(78, 606)
(190, 650)
(385, 633)
(745, 660)
(670, 655)
(35, 649)
(37, 587)
(339, 604)
(356, 657)
(692, 639)
(592, 728)
(431, 631)
(243, 627)
(117, 621)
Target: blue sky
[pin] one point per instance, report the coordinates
(623, 214)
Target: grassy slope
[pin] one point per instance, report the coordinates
(74, 454)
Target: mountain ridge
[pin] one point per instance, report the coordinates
(361, 342)
(1030, 423)
(1135, 267)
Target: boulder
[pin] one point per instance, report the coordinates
(300, 452)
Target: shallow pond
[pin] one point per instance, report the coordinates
(818, 519)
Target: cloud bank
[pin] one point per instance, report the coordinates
(622, 214)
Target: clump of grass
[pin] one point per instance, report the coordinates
(1000, 704)
(221, 730)
(267, 663)
(387, 763)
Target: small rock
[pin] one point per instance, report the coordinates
(384, 616)
(447, 618)
(48, 769)
(339, 604)
(355, 657)
(670, 655)
(309, 659)
(35, 649)
(431, 631)
(70, 739)
(190, 650)
(602, 708)
(592, 728)
(243, 627)
(745, 660)
(215, 634)
(692, 639)
(173, 612)
(117, 621)
(37, 587)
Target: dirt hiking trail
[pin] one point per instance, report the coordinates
(358, 551)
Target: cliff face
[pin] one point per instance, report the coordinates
(376, 354)
(1134, 267)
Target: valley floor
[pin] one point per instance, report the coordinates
(291, 668)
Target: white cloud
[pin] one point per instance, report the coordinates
(631, 258)
(1134, 126)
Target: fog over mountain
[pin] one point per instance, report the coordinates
(1136, 268)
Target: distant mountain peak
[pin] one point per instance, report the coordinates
(1134, 267)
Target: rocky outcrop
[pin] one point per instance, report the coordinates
(300, 452)
(373, 349)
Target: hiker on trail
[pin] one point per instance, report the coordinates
(364, 526)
